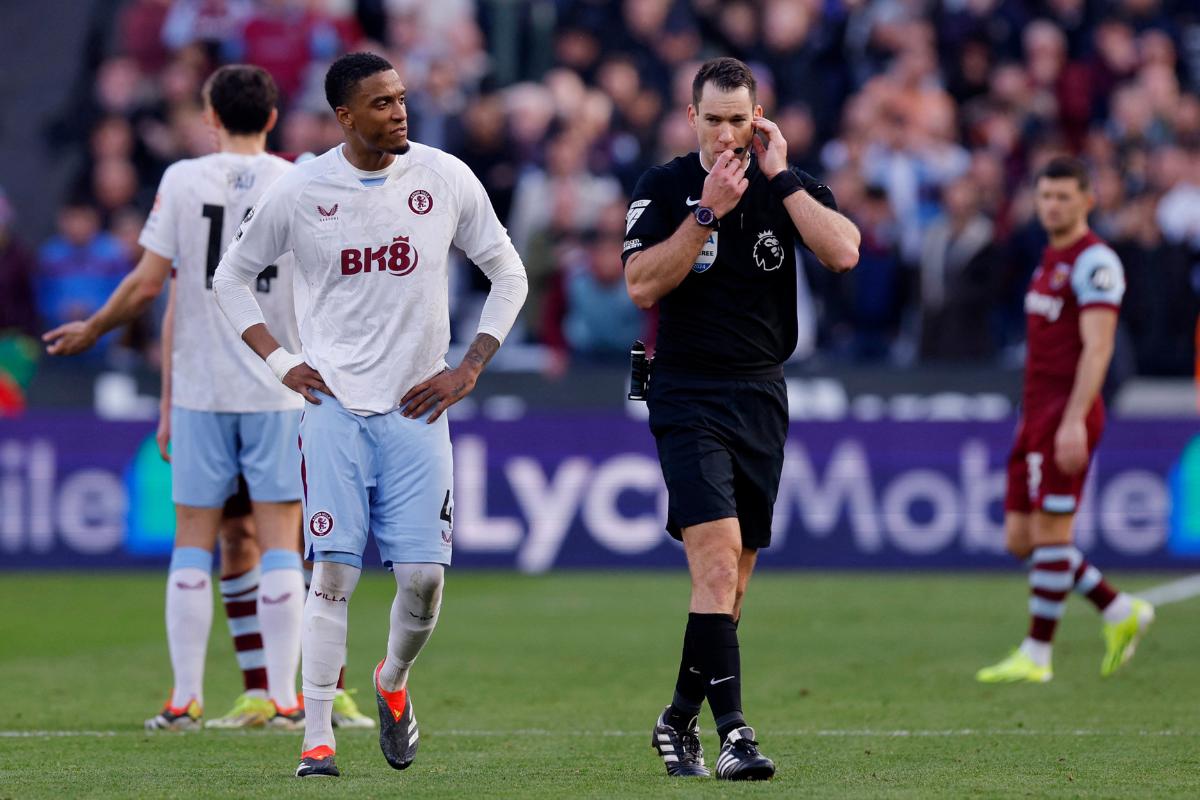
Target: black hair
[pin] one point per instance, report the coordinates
(1067, 167)
(242, 96)
(726, 74)
(345, 74)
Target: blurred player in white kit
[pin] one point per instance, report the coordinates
(228, 414)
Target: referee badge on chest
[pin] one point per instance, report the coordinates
(708, 253)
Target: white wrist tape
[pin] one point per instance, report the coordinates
(281, 362)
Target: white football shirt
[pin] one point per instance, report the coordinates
(200, 204)
(374, 261)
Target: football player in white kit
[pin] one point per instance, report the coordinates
(370, 224)
(228, 413)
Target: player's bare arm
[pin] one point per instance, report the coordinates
(163, 435)
(655, 271)
(132, 296)
(300, 378)
(449, 386)
(1097, 328)
(832, 237)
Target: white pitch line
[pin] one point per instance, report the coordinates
(1161, 595)
(867, 732)
(1173, 592)
(542, 732)
(60, 734)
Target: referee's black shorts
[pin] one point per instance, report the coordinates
(720, 443)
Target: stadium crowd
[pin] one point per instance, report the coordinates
(926, 118)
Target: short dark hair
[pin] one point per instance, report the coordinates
(726, 74)
(345, 73)
(242, 96)
(1067, 167)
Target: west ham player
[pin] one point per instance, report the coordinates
(370, 224)
(228, 413)
(1071, 311)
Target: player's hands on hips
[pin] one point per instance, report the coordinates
(163, 434)
(439, 392)
(772, 157)
(69, 339)
(305, 380)
(725, 184)
(1071, 446)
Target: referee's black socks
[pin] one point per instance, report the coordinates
(710, 667)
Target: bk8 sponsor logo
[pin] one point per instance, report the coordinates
(397, 258)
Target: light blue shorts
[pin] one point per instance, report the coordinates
(210, 448)
(386, 475)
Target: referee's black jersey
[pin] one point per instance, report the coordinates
(734, 315)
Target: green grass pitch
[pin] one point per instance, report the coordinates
(546, 687)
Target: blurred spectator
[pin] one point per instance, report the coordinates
(212, 22)
(482, 141)
(587, 314)
(876, 284)
(17, 266)
(141, 25)
(79, 267)
(561, 198)
(918, 100)
(959, 268)
(285, 36)
(436, 104)
(1178, 212)
(114, 185)
(1160, 306)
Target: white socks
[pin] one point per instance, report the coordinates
(189, 620)
(324, 645)
(1120, 608)
(1038, 652)
(280, 609)
(414, 615)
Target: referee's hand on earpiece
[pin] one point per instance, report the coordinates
(725, 184)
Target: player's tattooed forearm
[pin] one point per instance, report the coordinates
(481, 351)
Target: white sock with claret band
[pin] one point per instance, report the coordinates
(280, 610)
(189, 620)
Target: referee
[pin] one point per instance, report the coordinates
(711, 237)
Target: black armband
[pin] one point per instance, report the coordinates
(785, 184)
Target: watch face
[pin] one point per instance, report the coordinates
(705, 216)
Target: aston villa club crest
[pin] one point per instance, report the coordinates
(321, 523)
(420, 202)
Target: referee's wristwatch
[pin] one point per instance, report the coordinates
(705, 217)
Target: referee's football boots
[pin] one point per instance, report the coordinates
(740, 759)
(680, 750)
(398, 734)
